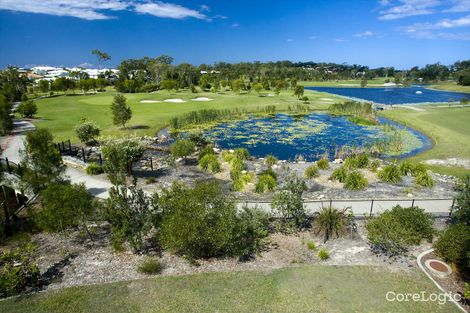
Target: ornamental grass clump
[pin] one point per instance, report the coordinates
(312, 172)
(323, 164)
(210, 163)
(390, 174)
(424, 180)
(331, 222)
(339, 174)
(355, 181)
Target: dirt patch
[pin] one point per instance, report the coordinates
(465, 163)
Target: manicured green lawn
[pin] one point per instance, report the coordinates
(376, 82)
(452, 86)
(301, 289)
(448, 127)
(60, 114)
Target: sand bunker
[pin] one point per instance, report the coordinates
(149, 101)
(326, 99)
(175, 100)
(202, 99)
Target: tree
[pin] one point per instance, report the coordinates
(87, 131)
(64, 206)
(44, 86)
(121, 112)
(182, 148)
(289, 202)
(28, 109)
(364, 82)
(299, 91)
(461, 211)
(237, 85)
(6, 122)
(41, 162)
(257, 87)
(102, 57)
(168, 84)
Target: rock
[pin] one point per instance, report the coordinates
(338, 161)
(410, 195)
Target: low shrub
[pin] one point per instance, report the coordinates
(374, 165)
(94, 169)
(248, 177)
(424, 180)
(270, 160)
(227, 156)
(150, 266)
(453, 245)
(323, 164)
(265, 183)
(362, 160)
(270, 172)
(17, 271)
(390, 174)
(331, 222)
(406, 167)
(289, 204)
(394, 230)
(312, 172)
(311, 245)
(204, 151)
(355, 181)
(339, 174)
(210, 163)
(350, 163)
(323, 254)
(418, 168)
(238, 184)
(242, 153)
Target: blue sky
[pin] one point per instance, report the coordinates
(399, 33)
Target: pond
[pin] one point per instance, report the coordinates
(312, 135)
(395, 95)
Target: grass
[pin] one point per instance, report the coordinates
(451, 86)
(295, 289)
(61, 113)
(449, 128)
(376, 82)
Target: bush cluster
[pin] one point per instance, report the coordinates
(339, 174)
(209, 162)
(355, 181)
(393, 231)
(323, 164)
(390, 174)
(312, 171)
(94, 169)
(150, 266)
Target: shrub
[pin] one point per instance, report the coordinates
(323, 164)
(424, 180)
(238, 184)
(466, 291)
(362, 160)
(241, 153)
(454, 245)
(150, 266)
(204, 151)
(182, 148)
(227, 156)
(197, 137)
(390, 174)
(461, 212)
(210, 163)
(331, 222)
(17, 271)
(290, 204)
(198, 222)
(418, 168)
(94, 169)
(270, 160)
(311, 245)
(64, 206)
(374, 165)
(265, 183)
(87, 131)
(406, 168)
(339, 174)
(394, 230)
(323, 254)
(350, 163)
(252, 227)
(312, 172)
(27, 109)
(270, 172)
(248, 177)
(355, 181)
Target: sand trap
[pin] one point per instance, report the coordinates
(175, 100)
(149, 101)
(202, 99)
(326, 99)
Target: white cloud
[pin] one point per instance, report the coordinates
(426, 34)
(235, 25)
(408, 8)
(84, 9)
(459, 6)
(313, 37)
(99, 9)
(168, 10)
(364, 34)
(290, 40)
(384, 2)
(340, 40)
(442, 24)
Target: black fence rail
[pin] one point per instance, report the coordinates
(84, 154)
(367, 207)
(10, 167)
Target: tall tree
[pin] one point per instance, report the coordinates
(6, 122)
(121, 112)
(102, 57)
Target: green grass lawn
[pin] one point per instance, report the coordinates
(300, 289)
(60, 114)
(448, 127)
(376, 82)
(451, 86)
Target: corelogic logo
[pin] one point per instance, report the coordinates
(423, 296)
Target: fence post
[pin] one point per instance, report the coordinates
(101, 160)
(83, 153)
(371, 207)
(8, 165)
(151, 163)
(63, 146)
(452, 207)
(331, 203)
(70, 146)
(413, 203)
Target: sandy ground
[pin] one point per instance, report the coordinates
(202, 99)
(465, 163)
(149, 101)
(175, 100)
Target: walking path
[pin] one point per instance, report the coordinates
(11, 146)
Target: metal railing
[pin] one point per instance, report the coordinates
(366, 207)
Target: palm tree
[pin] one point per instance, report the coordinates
(331, 222)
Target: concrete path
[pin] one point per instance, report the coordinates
(11, 146)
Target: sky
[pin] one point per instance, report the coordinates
(399, 33)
